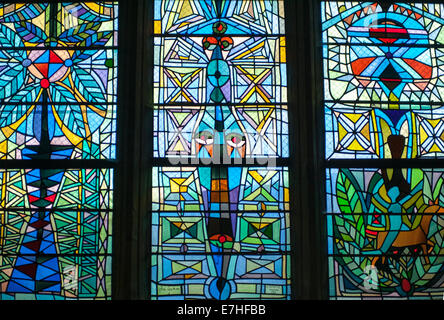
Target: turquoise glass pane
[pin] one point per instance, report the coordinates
(383, 101)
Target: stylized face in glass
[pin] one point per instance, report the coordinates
(218, 132)
(211, 143)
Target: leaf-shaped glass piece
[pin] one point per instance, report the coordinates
(79, 33)
(85, 83)
(96, 39)
(80, 55)
(61, 94)
(8, 38)
(349, 198)
(29, 32)
(20, 12)
(11, 79)
(351, 231)
(28, 94)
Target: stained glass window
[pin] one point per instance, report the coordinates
(58, 85)
(383, 93)
(220, 203)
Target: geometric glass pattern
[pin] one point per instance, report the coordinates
(235, 76)
(363, 132)
(58, 104)
(383, 100)
(48, 75)
(386, 65)
(220, 218)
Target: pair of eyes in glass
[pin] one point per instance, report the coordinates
(233, 139)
